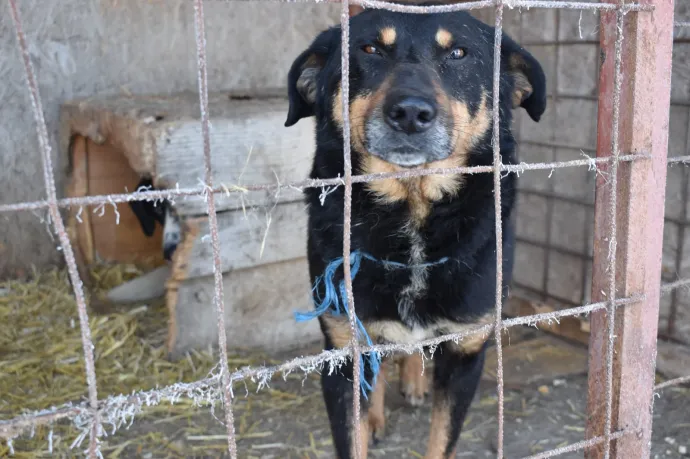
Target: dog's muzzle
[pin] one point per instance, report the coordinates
(407, 130)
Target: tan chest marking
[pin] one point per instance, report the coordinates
(393, 332)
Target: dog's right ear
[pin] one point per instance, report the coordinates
(304, 73)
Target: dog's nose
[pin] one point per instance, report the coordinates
(410, 114)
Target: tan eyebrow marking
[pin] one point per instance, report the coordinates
(388, 36)
(444, 38)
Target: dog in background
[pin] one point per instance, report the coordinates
(420, 97)
(150, 285)
(149, 213)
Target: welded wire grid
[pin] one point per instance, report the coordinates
(672, 287)
(91, 417)
(582, 255)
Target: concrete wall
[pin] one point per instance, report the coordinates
(84, 47)
(88, 47)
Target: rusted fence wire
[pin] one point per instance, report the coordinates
(92, 417)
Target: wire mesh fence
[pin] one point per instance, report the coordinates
(99, 416)
(556, 208)
(674, 286)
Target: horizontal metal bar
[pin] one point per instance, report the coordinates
(666, 288)
(527, 4)
(679, 159)
(14, 427)
(581, 97)
(673, 382)
(556, 315)
(170, 194)
(585, 41)
(584, 444)
(135, 402)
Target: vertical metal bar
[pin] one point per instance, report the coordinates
(586, 254)
(612, 230)
(680, 248)
(213, 224)
(56, 217)
(496, 140)
(347, 215)
(550, 204)
(629, 218)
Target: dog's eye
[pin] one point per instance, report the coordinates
(457, 53)
(370, 49)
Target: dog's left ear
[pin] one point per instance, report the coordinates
(529, 81)
(304, 73)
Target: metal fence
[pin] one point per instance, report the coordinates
(562, 215)
(631, 154)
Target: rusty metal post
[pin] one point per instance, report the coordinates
(622, 359)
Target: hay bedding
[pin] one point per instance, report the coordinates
(41, 366)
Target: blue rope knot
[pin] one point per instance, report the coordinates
(334, 297)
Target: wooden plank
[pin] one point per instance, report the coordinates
(79, 224)
(247, 239)
(78, 185)
(620, 395)
(161, 137)
(249, 146)
(259, 307)
(117, 238)
(574, 328)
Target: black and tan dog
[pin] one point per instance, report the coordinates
(420, 97)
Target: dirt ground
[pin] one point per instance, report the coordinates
(288, 420)
(41, 365)
(545, 405)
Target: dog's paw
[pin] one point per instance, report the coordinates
(377, 425)
(414, 385)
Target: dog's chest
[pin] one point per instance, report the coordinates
(392, 332)
(470, 335)
(418, 280)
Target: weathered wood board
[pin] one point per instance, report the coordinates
(259, 309)
(247, 238)
(106, 233)
(262, 233)
(574, 327)
(161, 137)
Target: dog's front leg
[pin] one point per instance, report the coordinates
(337, 393)
(456, 377)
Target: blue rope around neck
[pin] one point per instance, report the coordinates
(334, 297)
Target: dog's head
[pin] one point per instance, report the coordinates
(420, 85)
